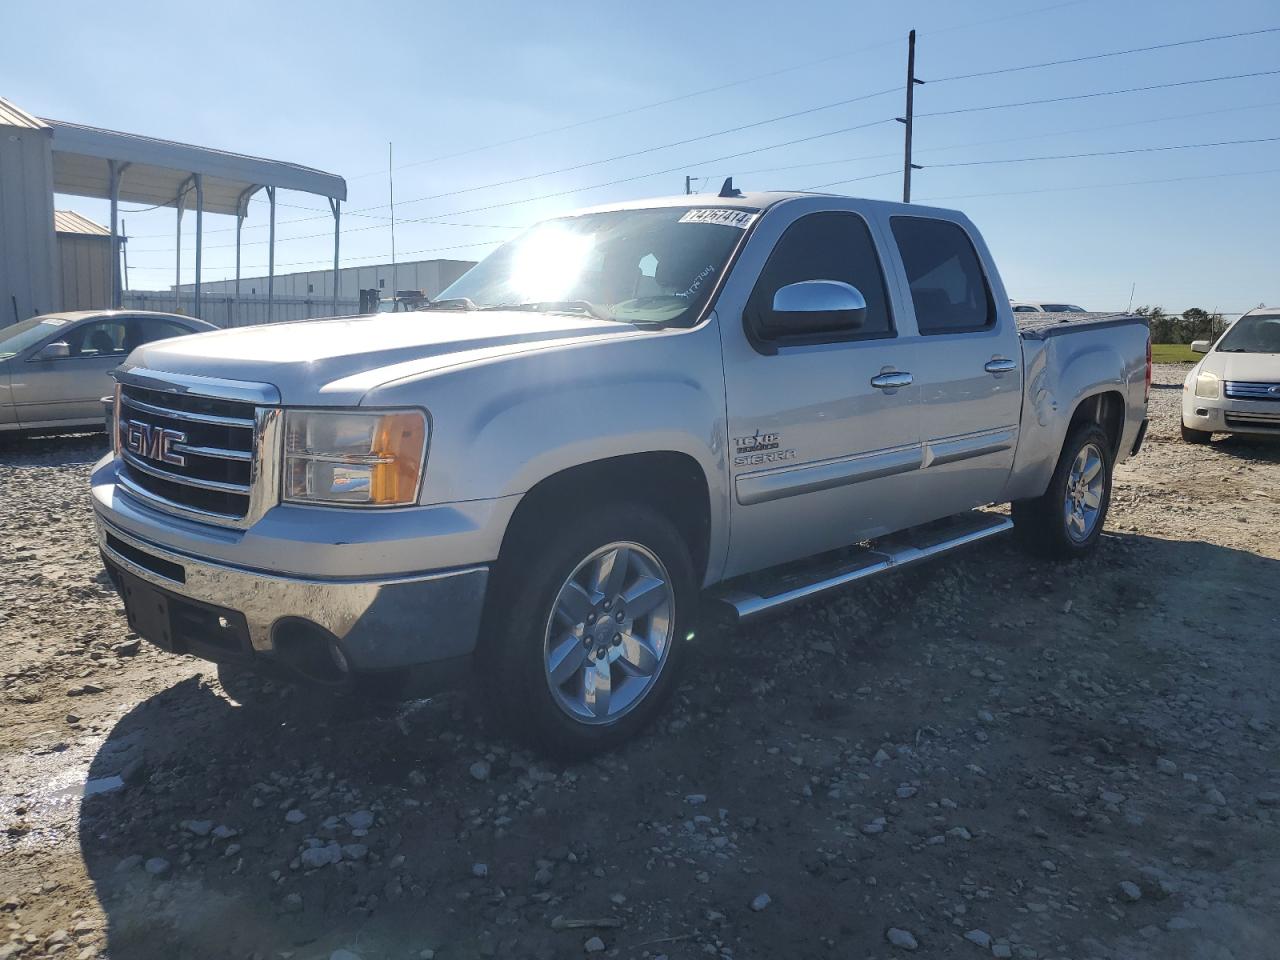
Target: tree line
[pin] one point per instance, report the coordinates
(1191, 324)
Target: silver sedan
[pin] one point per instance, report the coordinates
(55, 369)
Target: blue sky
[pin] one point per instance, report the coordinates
(328, 84)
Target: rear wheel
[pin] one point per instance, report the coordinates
(592, 619)
(1195, 436)
(1067, 520)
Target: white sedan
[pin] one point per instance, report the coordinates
(1236, 387)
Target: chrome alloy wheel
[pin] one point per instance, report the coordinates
(609, 634)
(1084, 493)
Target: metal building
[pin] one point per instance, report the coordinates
(84, 261)
(39, 157)
(431, 276)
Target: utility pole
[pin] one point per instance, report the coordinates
(688, 184)
(391, 190)
(907, 165)
(124, 250)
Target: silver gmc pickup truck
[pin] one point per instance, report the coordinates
(746, 399)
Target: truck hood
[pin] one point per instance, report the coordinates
(338, 361)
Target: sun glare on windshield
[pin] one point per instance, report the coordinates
(549, 262)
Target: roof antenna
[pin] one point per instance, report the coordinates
(728, 190)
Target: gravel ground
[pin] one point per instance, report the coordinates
(987, 755)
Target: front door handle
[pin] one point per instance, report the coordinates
(892, 381)
(1001, 365)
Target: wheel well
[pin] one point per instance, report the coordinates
(672, 483)
(1107, 411)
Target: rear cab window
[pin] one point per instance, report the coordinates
(949, 288)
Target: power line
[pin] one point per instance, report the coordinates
(1097, 186)
(563, 193)
(1103, 56)
(720, 87)
(1099, 93)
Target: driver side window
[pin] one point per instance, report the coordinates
(827, 246)
(101, 338)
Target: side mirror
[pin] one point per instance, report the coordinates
(58, 350)
(815, 307)
(1201, 346)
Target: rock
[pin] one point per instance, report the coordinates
(874, 827)
(979, 937)
(906, 791)
(1214, 796)
(480, 870)
(344, 955)
(201, 828)
(594, 945)
(696, 799)
(354, 851)
(294, 816)
(128, 648)
(292, 903)
(419, 779)
(314, 858)
(1268, 799)
(880, 757)
(902, 939)
(1002, 951)
(480, 770)
(1166, 766)
(223, 832)
(157, 866)
(131, 862)
(1179, 923)
(1110, 796)
(960, 833)
(761, 902)
(360, 820)
(1130, 891)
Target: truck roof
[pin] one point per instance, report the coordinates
(756, 200)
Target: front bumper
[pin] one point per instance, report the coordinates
(1227, 415)
(377, 624)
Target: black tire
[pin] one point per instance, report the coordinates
(518, 693)
(1041, 525)
(1195, 436)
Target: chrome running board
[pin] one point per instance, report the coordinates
(770, 590)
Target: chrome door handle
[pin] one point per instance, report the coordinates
(1001, 365)
(892, 381)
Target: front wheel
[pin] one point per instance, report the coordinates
(1195, 436)
(597, 610)
(1067, 520)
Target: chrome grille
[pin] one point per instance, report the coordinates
(1240, 390)
(188, 453)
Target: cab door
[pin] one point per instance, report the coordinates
(968, 366)
(823, 428)
(48, 391)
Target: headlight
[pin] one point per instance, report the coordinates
(1208, 387)
(363, 459)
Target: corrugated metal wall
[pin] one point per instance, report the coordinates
(244, 312)
(429, 275)
(28, 261)
(85, 265)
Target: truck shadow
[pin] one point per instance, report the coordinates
(57, 451)
(200, 853)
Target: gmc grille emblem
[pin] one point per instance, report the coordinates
(154, 443)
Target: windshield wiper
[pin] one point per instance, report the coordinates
(452, 303)
(556, 306)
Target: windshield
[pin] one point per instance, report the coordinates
(15, 339)
(633, 266)
(1259, 333)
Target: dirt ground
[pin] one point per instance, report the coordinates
(987, 755)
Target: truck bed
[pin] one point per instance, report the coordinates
(1040, 326)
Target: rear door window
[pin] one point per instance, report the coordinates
(948, 288)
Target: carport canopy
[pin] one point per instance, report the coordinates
(107, 164)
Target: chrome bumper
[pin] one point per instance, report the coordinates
(379, 624)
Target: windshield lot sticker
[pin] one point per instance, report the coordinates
(724, 217)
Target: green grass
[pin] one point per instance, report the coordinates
(1173, 353)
